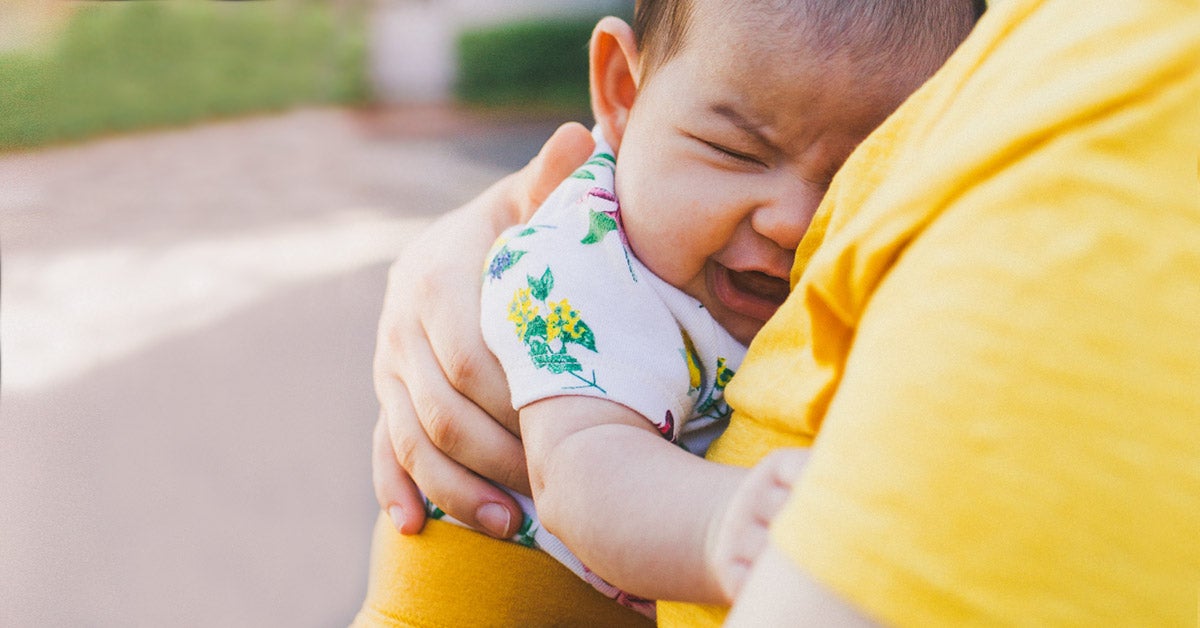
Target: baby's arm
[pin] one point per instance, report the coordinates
(642, 513)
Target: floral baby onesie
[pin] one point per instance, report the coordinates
(569, 310)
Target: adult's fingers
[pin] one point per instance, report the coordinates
(459, 492)
(455, 425)
(394, 489)
(450, 340)
(429, 349)
(470, 369)
(567, 149)
(404, 359)
(453, 398)
(467, 365)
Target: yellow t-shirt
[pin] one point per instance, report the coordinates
(998, 338)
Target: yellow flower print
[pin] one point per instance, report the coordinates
(522, 310)
(563, 319)
(693, 364)
(724, 374)
(562, 323)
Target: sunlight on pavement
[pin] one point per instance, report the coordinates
(70, 311)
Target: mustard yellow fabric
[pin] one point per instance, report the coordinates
(995, 327)
(451, 577)
(998, 337)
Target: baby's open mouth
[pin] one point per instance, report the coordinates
(761, 285)
(749, 293)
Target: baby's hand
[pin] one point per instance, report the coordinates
(742, 532)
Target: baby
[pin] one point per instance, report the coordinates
(621, 310)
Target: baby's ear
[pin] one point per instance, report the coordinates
(613, 62)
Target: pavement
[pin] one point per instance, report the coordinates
(187, 321)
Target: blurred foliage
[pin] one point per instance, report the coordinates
(537, 63)
(128, 65)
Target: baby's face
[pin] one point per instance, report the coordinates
(728, 150)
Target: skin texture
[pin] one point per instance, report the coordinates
(425, 423)
(407, 451)
(762, 142)
(436, 383)
(740, 538)
(730, 171)
(779, 594)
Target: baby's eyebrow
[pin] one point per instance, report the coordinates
(727, 111)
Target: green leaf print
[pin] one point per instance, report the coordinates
(583, 173)
(548, 338)
(536, 330)
(432, 511)
(604, 159)
(525, 534)
(583, 336)
(557, 363)
(599, 225)
(541, 287)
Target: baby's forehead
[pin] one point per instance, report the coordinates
(758, 45)
(873, 35)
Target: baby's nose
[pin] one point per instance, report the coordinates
(785, 217)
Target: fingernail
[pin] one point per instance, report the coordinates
(396, 514)
(494, 518)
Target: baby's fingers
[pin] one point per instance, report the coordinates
(779, 471)
(744, 534)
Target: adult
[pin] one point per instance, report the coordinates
(993, 337)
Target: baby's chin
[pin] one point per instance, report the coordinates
(742, 328)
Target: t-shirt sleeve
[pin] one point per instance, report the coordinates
(1015, 438)
(568, 311)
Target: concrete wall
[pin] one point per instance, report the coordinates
(412, 41)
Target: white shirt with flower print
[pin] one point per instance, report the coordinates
(569, 310)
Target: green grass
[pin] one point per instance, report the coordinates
(538, 63)
(130, 65)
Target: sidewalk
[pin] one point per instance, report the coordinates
(187, 319)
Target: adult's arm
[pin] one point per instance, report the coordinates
(445, 417)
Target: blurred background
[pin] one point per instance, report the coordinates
(198, 203)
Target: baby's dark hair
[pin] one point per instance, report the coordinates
(908, 33)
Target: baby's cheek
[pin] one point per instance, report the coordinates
(680, 260)
(644, 230)
(664, 233)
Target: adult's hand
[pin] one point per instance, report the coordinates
(446, 420)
